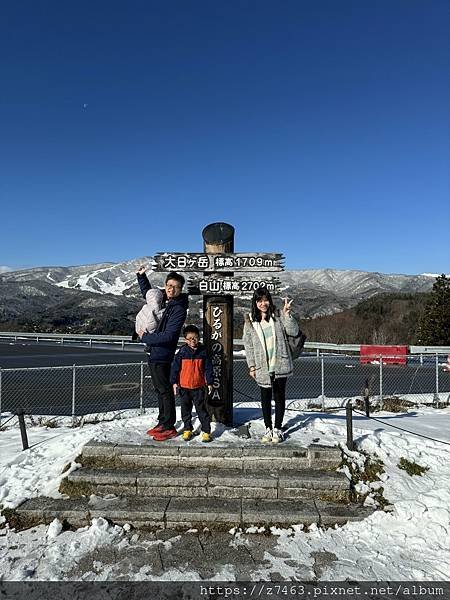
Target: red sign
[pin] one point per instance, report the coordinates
(390, 355)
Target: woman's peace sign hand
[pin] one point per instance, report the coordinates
(287, 306)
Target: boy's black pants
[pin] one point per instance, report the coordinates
(197, 398)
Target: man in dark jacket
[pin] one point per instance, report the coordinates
(161, 346)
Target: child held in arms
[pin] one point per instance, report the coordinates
(192, 376)
(150, 314)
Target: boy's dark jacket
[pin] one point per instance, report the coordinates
(191, 369)
(161, 344)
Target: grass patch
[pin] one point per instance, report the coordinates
(315, 406)
(10, 515)
(411, 467)
(439, 405)
(367, 473)
(396, 405)
(14, 520)
(339, 496)
(49, 423)
(392, 404)
(97, 462)
(75, 489)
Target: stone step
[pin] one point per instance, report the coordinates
(172, 453)
(156, 512)
(208, 482)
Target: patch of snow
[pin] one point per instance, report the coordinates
(411, 542)
(54, 529)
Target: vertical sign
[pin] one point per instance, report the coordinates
(218, 326)
(218, 329)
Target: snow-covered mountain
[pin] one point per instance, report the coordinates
(316, 292)
(120, 279)
(101, 278)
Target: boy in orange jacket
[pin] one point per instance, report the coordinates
(191, 372)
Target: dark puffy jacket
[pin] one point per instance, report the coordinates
(162, 343)
(191, 369)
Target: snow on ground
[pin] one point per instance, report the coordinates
(412, 542)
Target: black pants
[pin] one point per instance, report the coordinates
(197, 398)
(160, 373)
(279, 396)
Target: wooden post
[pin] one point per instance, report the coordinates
(218, 329)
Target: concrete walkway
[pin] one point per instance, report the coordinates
(199, 555)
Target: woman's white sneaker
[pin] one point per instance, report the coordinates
(277, 436)
(267, 437)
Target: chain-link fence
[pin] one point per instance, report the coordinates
(321, 382)
(329, 380)
(76, 390)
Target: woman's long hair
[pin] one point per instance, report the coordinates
(259, 294)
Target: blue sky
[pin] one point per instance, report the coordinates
(318, 128)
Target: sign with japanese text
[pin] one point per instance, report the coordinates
(217, 331)
(216, 336)
(217, 262)
(234, 286)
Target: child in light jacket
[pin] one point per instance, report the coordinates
(150, 314)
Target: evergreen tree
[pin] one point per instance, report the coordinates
(434, 325)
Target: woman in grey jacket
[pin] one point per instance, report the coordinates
(269, 357)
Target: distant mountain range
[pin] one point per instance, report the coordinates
(102, 298)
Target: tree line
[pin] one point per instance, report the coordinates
(422, 319)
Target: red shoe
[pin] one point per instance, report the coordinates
(165, 434)
(155, 429)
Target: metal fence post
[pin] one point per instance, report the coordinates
(123, 345)
(141, 393)
(367, 398)
(73, 393)
(322, 372)
(349, 419)
(23, 431)
(436, 393)
(381, 381)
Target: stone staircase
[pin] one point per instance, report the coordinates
(185, 485)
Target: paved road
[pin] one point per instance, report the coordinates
(116, 386)
(26, 354)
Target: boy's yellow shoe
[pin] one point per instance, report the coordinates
(206, 437)
(187, 435)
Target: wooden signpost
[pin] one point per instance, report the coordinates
(218, 285)
(232, 285)
(217, 262)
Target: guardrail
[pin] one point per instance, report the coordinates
(68, 337)
(125, 341)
